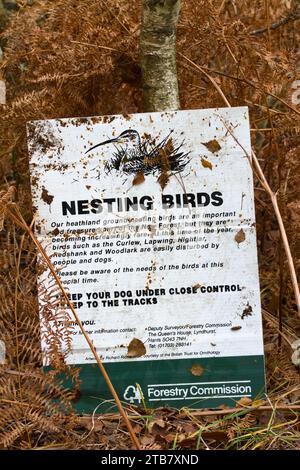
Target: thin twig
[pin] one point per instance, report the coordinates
(226, 411)
(263, 181)
(275, 322)
(209, 77)
(221, 7)
(292, 16)
(18, 219)
(98, 46)
(239, 79)
(104, 3)
(248, 409)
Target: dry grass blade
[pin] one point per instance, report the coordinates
(266, 186)
(248, 409)
(263, 181)
(5, 199)
(18, 219)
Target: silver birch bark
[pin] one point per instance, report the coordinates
(158, 54)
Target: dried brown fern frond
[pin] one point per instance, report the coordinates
(56, 324)
(5, 199)
(31, 399)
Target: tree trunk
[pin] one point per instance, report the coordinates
(158, 54)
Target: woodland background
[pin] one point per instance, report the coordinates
(66, 58)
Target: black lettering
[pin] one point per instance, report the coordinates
(97, 207)
(189, 200)
(167, 201)
(109, 203)
(131, 203)
(216, 198)
(71, 208)
(83, 207)
(203, 199)
(146, 203)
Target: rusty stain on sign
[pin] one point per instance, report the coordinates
(136, 348)
(240, 237)
(197, 370)
(213, 146)
(47, 198)
(206, 163)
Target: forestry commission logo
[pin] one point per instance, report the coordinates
(133, 394)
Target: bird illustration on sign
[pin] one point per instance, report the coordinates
(134, 154)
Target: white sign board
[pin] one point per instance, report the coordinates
(149, 220)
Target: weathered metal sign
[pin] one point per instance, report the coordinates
(149, 220)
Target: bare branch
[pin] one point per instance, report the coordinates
(293, 15)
